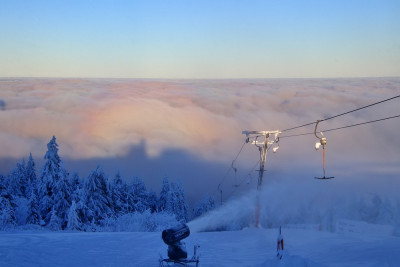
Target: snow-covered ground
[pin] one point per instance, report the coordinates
(354, 244)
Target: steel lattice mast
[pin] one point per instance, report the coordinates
(263, 147)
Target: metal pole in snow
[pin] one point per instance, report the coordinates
(262, 146)
(263, 154)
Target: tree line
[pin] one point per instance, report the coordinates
(56, 200)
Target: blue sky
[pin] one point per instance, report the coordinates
(200, 39)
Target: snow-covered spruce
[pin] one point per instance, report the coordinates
(56, 200)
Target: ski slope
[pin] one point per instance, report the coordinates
(304, 246)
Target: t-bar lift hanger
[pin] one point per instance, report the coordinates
(322, 141)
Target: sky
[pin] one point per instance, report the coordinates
(200, 39)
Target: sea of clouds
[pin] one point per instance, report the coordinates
(105, 119)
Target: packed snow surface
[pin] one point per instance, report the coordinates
(304, 246)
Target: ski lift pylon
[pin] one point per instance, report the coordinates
(322, 142)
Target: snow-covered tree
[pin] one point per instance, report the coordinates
(176, 203)
(49, 170)
(74, 221)
(31, 178)
(119, 196)
(17, 187)
(376, 210)
(165, 188)
(62, 198)
(206, 204)
(33, 207)
(7, 211)
(75, 185)
(172, 200)
(7, 206)
(152, 201)
(96, 198)
(55, 222)
(17, 182)
(139, 195)
(54, 190)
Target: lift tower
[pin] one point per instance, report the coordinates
(263, 147)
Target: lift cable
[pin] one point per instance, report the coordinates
(362, 123)
(343, 127)
(230, 168)
(243, 179)
(246, 176)
(341, 114)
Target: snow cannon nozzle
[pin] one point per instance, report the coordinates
(172, 237)
(175, 234)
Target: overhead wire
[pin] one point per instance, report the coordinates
(233, 161)
(243, 179)
(343, 127)
(248, 174)
(357, 109)
(362, 123)
(227, 171)
(231, 166)
(341, 114)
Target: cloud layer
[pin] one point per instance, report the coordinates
(105, 118)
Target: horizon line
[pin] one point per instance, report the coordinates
(175, 79)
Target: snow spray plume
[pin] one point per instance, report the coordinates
(234, 215)
(304, 202)
(324, 204)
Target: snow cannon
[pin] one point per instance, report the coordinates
(175, 234)
(172, 237)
